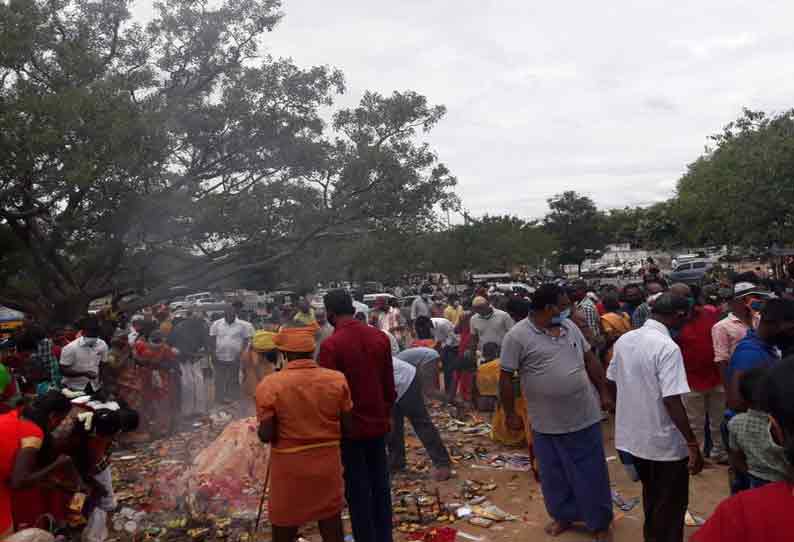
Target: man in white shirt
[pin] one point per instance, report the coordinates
(411, 404)
(82, 359)
(652, 431)
(488, 325)
(229, 338)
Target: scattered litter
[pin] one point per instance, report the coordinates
(612, 458)
(471, 537)
(624, 505)
(481, 522)
(692, 520)
(442, 534)
(463, 512)
(492, 512)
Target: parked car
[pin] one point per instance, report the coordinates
(193, 299)
(370, 299)
(515, 288)
(613, 271)
(178, 304)
(691, 272)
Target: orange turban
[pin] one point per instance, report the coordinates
(296, 339)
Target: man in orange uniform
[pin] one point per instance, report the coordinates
(303, 412)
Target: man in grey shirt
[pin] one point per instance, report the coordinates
(421, 305)
(561, 380)
(426, 362)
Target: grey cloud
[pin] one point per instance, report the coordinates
(612, 101)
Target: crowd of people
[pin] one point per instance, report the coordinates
(692, 374)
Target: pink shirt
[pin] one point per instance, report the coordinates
(726, 334)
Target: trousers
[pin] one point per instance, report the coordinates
(449, 362)
(412, 406)
(368, 489)
(705, 410)
(665, 497)
(574, 476)
(227, 380)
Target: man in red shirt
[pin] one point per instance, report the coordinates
(363, 354)
(707, 395)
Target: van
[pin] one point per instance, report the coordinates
(690, 272)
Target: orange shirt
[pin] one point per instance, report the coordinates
(427, 343)
(306, 400)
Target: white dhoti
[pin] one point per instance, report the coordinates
(194, 400)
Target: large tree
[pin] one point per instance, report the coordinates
(491, 244)
(741, 192)
(137, 159)
(576, 223)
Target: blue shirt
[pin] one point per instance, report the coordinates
(750, 353)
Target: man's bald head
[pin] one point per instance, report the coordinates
(681, 290)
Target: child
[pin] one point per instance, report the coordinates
(752, 449)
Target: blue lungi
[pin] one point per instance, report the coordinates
(574, 477)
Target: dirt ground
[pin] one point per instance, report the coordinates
(526, 500)
(139, 484)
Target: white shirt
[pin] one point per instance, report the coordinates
(404, 374)
(395, 346)
(361, 308)
(444, 332)
(647, 366)
(79, 356)
(230, 338)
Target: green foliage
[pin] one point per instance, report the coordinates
(742, 191)
(140, 158)
(576, 224)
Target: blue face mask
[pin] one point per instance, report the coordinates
(564, 315)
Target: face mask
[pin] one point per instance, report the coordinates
(564, 315)
(89, 341)
(756, 305)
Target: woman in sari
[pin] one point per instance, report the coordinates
(158, 363)
(615, 323)
(23, 464)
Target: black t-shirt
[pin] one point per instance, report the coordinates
(189, 336)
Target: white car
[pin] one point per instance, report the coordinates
(515, 287)
(369, 299)
(178, 304)
(613, 271)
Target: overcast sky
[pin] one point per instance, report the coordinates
(611, 99)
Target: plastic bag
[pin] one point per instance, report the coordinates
(97, 528)
(30, 535)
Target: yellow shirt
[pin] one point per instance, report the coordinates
(453, 314)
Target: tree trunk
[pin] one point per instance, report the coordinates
(68, 311)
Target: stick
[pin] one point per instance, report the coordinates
(264, 490)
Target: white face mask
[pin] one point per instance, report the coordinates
(89, 341)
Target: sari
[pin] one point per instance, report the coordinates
(614, 324)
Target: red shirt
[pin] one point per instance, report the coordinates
(363, 354)
(762, 514)
(698, 350)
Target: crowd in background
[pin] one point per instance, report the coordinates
(686, 368)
